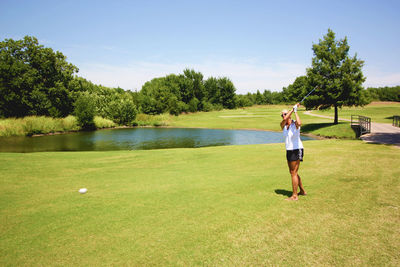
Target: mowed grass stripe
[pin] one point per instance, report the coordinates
(207, 206)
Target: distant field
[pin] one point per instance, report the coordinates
(210, 206)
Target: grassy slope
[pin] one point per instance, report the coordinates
(378, 112)
(208, 206)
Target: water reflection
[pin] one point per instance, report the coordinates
(138, 138)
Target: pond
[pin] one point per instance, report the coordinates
(139, 138)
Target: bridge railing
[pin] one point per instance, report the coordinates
(361, 124)
(396, 121)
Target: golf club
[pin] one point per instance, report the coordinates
(308, 94)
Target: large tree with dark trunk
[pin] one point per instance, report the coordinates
(338, 76)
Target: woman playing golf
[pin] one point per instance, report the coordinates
(294, 148)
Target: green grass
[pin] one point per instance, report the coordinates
(328, 129)
(261, 117)
(211, 206)
(268, 118)
(257, 117)
(382, 112)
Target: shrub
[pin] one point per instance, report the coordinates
(103, 123)
(122, 111)
(193, 104)
(218, 107)
(11, 127)
(207, 106)
(70, 123)
(85, 111)
(152, 120)
(173, 106)
(177, 107)
(183, 107)
(41, 125)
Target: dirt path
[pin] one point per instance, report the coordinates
(381, 133)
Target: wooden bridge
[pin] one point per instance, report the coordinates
(361, 124)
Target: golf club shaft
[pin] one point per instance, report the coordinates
(308, 94)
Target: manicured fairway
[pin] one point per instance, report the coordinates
(257, 117)
(262, 117)
(210, 206)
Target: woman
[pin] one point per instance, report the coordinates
(294, 149)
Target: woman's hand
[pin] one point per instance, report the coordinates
(295, 107)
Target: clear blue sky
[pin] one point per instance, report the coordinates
(257, 44)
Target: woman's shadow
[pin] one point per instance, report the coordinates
(283, 192)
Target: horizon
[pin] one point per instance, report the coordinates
(258, 45)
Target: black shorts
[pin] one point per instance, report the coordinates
(294, 155)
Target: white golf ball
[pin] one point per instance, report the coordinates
(82, 190)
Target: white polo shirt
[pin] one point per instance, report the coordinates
(292, 137)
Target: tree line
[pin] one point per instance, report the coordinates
(383, 93)
(187, 92)
(299, 88)
(35, 80)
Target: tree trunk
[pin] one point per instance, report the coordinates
(336, 116)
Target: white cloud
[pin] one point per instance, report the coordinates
(377, 78)
(247, 76)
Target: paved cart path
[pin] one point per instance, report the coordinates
(381, 133)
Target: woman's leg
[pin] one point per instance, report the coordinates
(293, 168)
(302, 190)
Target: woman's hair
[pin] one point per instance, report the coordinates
(285, 111)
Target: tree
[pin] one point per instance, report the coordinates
(297, 90)
(227, 93)
(267, 97)
(195, 82)
(384, 93)
(259, 98)
(212, 91)
(33, 79)
(122, 111)
(339, 77)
